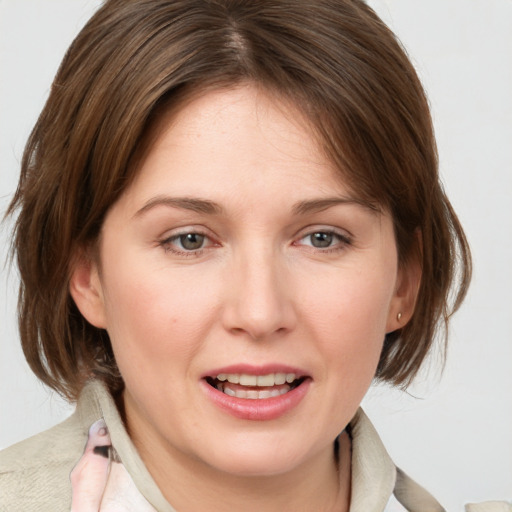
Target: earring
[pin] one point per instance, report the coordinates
(399, 317)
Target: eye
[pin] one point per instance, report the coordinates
(325, 240)
(321, 239)
(186, 243)
(190, 241)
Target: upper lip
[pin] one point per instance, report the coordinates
(249, 369)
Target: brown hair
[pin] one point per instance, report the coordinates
(334, 59)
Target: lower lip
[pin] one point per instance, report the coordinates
(263, 409)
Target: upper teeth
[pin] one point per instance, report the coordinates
(244, 379)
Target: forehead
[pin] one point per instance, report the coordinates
(234, 135)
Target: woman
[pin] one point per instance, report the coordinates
(245, 198)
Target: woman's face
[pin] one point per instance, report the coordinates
(246, 290)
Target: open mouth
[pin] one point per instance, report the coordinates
(255, 387)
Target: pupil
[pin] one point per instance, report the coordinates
(321, 239)
(192, 241)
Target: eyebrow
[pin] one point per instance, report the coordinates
(318, 205)
(185, 203)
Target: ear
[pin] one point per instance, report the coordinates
(405, 295)
(86, 289)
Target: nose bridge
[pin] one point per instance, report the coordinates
(260, 302)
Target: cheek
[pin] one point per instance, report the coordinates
(349, 307)
(348, 319)
(155, 317)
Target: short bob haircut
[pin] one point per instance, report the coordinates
(335, 60)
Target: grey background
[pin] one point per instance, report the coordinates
(452, 432)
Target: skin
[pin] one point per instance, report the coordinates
(257, 292)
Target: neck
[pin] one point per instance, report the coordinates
(321, 484)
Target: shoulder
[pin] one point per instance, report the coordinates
(412, 495)
(34, 474)
(489, 506)
(377, 484)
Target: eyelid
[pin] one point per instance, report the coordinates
(345, 237)
(166, 241)
(323, 228)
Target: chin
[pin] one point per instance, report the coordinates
(257, 458)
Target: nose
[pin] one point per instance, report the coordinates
(260, 298)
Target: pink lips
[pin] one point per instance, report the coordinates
(263, 409)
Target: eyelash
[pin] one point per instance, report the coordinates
(168, 244)
(343, 241)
